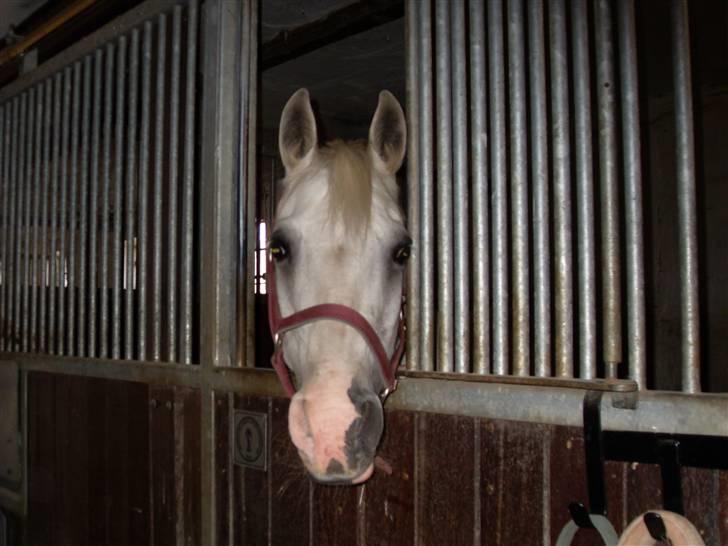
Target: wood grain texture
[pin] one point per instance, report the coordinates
(335, 514)
(445, 486)
(697, 485)
(223, 466)
(390, 497)
(722, 506)
(188, 402)
(290, 485)
(512, 476)
(162, 465)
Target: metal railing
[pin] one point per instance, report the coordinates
(508, 245)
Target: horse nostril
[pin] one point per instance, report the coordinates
(364, 432)
(372, 425)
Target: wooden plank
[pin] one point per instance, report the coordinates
(188, 518)
(644, 489)
(251, 497)
(567, 471)
(223, 469)
(722, 507)
(445, 486)
(701, 508)
(41, 458)
(162, 465)
(512, 476)
(334, 514)
(290, 485)
(133, 407)
(390, 497)
(100, 434)
(71, 487)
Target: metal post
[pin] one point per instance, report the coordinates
(31, 153)
(93, 218)
(45, 284)
(687, 214)
(82, 345)
(105, 212)
(117, 250)
(37, 262)
(73, 213)
(20, 196)
(5, 188)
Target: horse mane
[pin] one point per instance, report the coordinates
(350, 183)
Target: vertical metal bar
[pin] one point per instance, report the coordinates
(158, 173)
(53, 333)
(609, 192)
(29, 177)
(84, 205)
(174, 97)
(131, 179)
(45, 282)
(188, 191)
(36, 262)
(498, 188)
(63, 259)
(252, 30)
(5, 114)
(520, 273)
(687, 212)
(427, 287)
(461, 266)
(584, 190)
(10, 222)
(413, 184)
(142, 242)
(105, 213)
(561, 155)
(241, 281)
(118, 204)
(73, 212)
(93, 209)
(444, 188)
(539, 176)
(19, 199)
(632, 192)
(479, 173)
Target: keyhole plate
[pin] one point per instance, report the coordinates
(250, 439)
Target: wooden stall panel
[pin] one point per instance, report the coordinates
(223, 467)
(290, 491)
(696, 483)
(162, 464)
(390, 497)
(444, 468)
(512, 463)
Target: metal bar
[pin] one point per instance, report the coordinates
(5, 117)
(426, 167)
(45, 283)
(29, 177)
(73, 213)
(499, 212)
(63, 259)
(519, 189)
(540, 178)
(687, 211)
(413, 185)
(131, 180)
(93, 209)
(158, 174)
(83, 206)
(142, 242)
(561, 158)
(609, 191)
(584, 191)
(105, 212)
(443, 110)
(19, 199)
(241, 281)
(188, 190)
(174, 98)
(11, 229)
(461, 213)
(55, 286)
(36, 263)
(118, 203)
(252, 28)
(632, 192)
(479, 174)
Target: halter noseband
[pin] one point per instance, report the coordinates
(328, 311)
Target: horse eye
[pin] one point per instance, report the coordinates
(402, 253)
(278, 250)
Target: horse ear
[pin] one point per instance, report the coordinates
(388, 134)
(297, 132)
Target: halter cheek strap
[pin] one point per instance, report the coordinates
(328, 311)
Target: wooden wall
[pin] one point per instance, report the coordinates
(118, 463)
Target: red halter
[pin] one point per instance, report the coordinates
(328, 311)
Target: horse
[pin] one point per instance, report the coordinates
(337, 252)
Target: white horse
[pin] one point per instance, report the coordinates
(339, 240)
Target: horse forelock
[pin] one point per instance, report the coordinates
(350, 184)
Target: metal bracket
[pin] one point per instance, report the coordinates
(250, 439)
